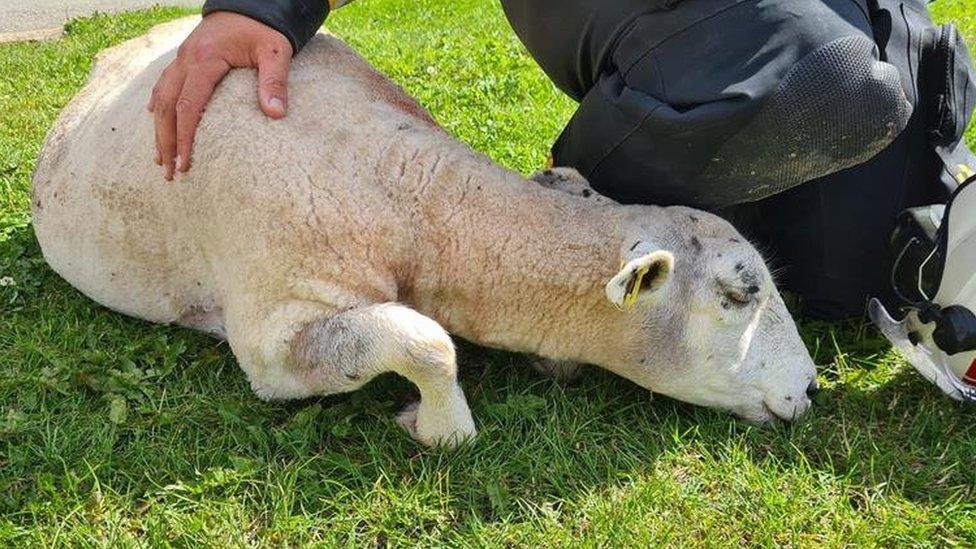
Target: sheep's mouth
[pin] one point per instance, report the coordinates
(771, 415)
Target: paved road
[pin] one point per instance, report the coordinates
(24, 16)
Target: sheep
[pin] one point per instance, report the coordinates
(351, 237)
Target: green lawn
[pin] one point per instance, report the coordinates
(114, 430)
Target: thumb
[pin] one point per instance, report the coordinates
(273, 82)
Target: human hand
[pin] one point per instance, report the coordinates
(222, 41)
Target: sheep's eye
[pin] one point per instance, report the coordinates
(741, 296)
(738, 295)
(737, 298)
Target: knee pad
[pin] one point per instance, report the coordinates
(836, 108)
(731, 101)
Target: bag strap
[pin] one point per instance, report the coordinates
(943, 74)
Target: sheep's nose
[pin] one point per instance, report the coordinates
(813, 388)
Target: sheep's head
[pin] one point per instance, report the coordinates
(705, 322)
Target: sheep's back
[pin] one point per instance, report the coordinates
(265, 199)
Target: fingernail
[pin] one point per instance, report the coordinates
(179, 164)
(276, 103)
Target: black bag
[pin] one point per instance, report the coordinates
(830, 236)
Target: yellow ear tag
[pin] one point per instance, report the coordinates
(631, 296)
(964, 172)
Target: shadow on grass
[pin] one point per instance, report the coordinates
(161, 415)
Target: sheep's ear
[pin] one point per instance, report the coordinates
(642, 275)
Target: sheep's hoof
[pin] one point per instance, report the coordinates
(563, 371)
(407, 417)
(446, 436)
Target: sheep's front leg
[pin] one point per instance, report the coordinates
(563, 371)
(343, 351)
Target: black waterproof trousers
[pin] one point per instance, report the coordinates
(710, 103)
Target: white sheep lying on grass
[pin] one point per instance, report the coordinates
(349, 238)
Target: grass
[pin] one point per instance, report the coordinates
(116, 431)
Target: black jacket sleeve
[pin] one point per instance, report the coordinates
(298, 20)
